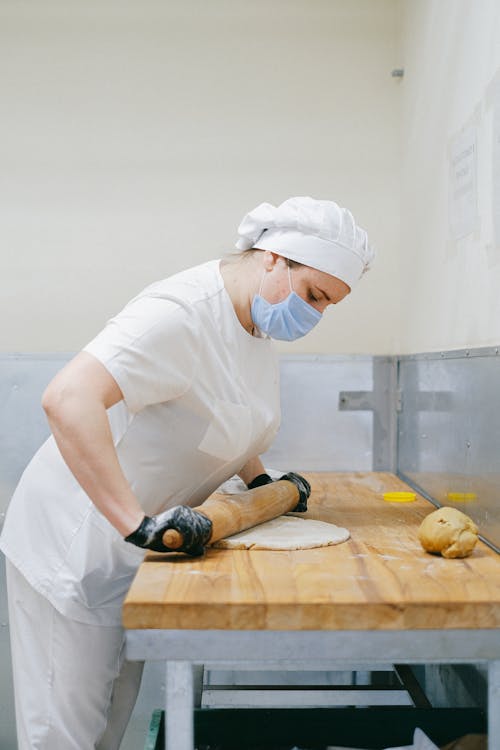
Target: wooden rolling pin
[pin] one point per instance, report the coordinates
(232, 513)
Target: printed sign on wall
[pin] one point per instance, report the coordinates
(495, 193)
(463, 183)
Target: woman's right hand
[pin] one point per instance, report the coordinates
(194, 528)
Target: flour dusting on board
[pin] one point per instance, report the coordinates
(373, 483)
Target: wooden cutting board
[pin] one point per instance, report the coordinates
(380, 579)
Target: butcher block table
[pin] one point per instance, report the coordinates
(377, 597)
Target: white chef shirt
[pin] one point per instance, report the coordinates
(201, 397)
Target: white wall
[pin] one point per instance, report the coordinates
(136, 133)
(451, 55)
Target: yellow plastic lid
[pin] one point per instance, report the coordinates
(461, 497)
(399, 497)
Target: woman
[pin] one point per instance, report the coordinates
(177, 393)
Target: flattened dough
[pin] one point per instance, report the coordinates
(286, 532)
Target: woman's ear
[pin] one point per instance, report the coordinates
(270, 259)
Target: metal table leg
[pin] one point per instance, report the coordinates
(493, 705)
(179, 705)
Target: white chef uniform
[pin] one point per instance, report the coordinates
(201, 397)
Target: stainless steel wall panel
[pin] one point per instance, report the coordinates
(381, 401)
(449, 431)
(314, 434)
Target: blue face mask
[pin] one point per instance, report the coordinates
(287, 320)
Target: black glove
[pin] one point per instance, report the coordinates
(302, 485)
(259, 481)
(195, 528)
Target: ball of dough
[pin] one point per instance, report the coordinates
(449, 532)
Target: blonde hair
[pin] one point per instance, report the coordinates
(247, 254)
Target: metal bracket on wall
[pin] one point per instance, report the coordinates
(384, 402)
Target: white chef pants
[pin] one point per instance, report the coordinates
(73, 688)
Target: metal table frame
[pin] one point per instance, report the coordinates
(182, 649)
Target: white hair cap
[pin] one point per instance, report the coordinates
(317, 233)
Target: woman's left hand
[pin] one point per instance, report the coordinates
(299, 481)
